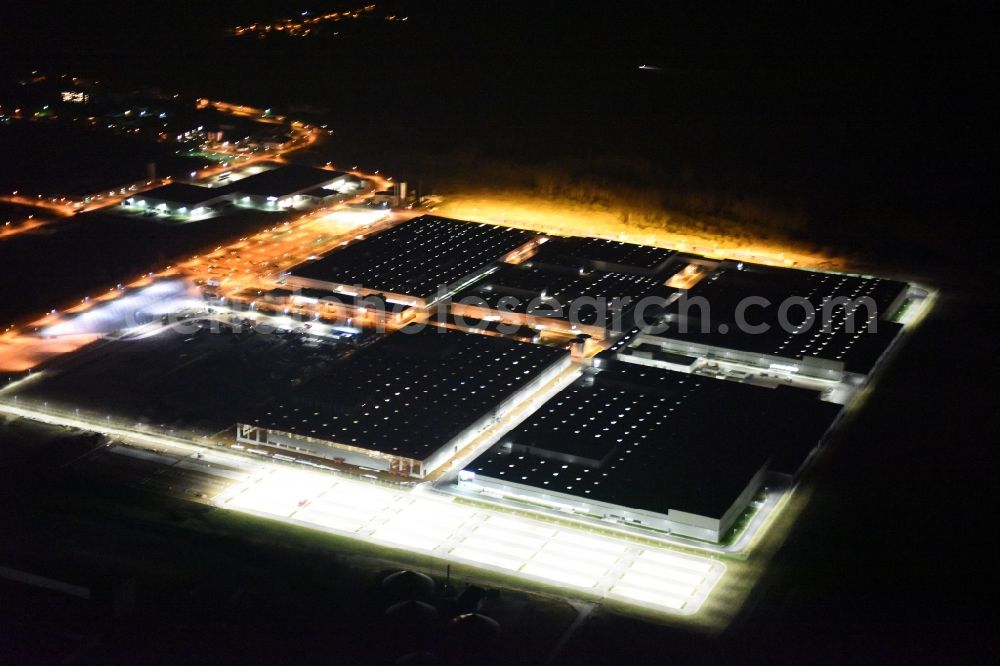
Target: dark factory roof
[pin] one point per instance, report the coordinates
(320, 193)
(417, 257)
(410, 393)
(726, 288)
(182, 193)
(283, 180)
(656, 440)
(559, 293)
(602, 254)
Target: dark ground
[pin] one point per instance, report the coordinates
(208, 586)
(51, 157)
(871, 130)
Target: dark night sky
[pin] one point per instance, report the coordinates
(876, 121)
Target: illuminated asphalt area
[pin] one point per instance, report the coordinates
(653, 578)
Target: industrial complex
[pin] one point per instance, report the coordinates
(576, 286)
(482, 333)
(646, 446)
(666, 395)
(406, 404)
(416, 262)
(283, 187)
(829, 330)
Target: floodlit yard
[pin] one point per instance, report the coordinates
(652, 578)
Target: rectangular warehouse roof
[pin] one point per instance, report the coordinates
(284, 180)
(602, 254)
(416, 257)
(726, 288)
(202, 379)
(279, 182)
(656, 440)
(410, 393)
(558, 292)
(182, 193)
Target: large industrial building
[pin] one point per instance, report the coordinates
(822, 325)
(413, 262)
(283, 187)
(200, 377)
(663, 450)
(180, 199)
(675, 426)
(292, 185)
(573, 286)
(405, 404)
(685, 416)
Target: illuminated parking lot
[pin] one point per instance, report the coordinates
(653, 578)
